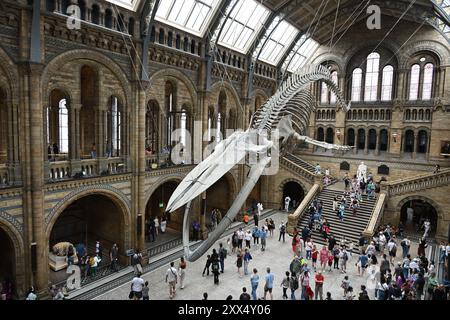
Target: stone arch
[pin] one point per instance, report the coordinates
(16, 238)
(441, 223)
(11, 74)
(113, 194)
(390, 46)
(441, 52)
(332, 59)
(286, 181)
(96, 58)
(218, 86)
(173, 73)
(154, 186)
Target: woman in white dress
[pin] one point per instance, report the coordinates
(163, 225)
(156, 224)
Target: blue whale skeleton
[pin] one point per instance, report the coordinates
(290, 107)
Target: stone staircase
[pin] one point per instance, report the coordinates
(301, 163)
(351, 227)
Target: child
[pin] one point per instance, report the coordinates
(330, 261)
(145, 291)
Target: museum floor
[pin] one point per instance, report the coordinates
(277, 256)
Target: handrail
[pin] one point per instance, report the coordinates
(377, 214)
(297, 215)
(298, 169)
(427, 181)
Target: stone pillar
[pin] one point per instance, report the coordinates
(74, 138)
(366, 147)
(414, 154)
(36, 178)
(377, 148)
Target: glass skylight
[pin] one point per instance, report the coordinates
(192, 16)
(243, 24)
(127, 4)
(279, 41)
(303, 51)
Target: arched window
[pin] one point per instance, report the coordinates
(161, 36)
(421, 114)
(324, 93)
(334, 77)
(372, 73)
(356, 84)
(383, 140)
(351, 137)
(354, 115)
(377, 115)
(121, 25)
(414, 82)
(427, 81)
(131, 23)
(50, 5)
(170, 109)
(320, 134)
(183, 127)
(427, 115)
(422, 142)
(372, 139)
(170, 39)
(388, 80)
(178, 42)
(370, 115)
(382, 115)
(219, 127)
(330, 135)
(408, 115)
(152, 127)
(63, 118)
(414, 115)
(185, 44)
(409, 141)
(365, 114)
(108, 18)
(82, 5)
(388, 115)
(328, 115)
(95, 14)
(114, 128)
(349, 115)
(361, 139)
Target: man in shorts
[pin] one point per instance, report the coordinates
(268, 287)
(171, 278)
(137, 284)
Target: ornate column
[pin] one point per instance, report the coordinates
(414, 154)
(377, 148)
(366, 147)
(74, 138)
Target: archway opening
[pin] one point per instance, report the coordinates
(219, 196)
(84, 222)
(7, 265)
(413, 215)
(169, 226)
(294, 191)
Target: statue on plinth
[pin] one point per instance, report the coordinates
(362, 172)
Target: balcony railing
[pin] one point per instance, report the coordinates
(419, 183)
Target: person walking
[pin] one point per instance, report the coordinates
(362, 263)
(240, 237)
(182, 272)
(293, 285)
(114, 257)
(222, 256)
(207, 265)
(263, 237)
(254, 280)
(308, 248)
(285, 285)
(323, 258)
(260, 209)
(145, 292)
(247, 258)
(314, 256)
(304, 280)
(215, 268)
(406, 245)
(268, 287)
(172, 279)
(239, 261)
(248, 239)
(336, 253)
(318, 290)
(255, 234)
(234, 242)
(137, 285)
(136, 262)
(345, 284)
(343, 258)
(287, 201)
(282, 229)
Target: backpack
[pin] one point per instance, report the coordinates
(215, 266)
(345, 256)
(283, 228)
(295, 283)
(223, 253)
